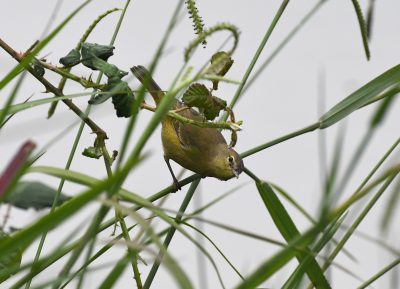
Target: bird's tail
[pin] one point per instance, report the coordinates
(141, 74)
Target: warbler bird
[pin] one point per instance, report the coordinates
(201, 150)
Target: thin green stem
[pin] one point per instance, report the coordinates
(356, 223)
(68, 75)
(285, 41)
(103, 210)
(276, 141)
(170, 234)
(140, 96)
(380, 274)
(258, 53)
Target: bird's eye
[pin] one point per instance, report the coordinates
(230, 159)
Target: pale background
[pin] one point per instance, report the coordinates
(284, 99)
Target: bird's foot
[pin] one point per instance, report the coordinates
(176, 186)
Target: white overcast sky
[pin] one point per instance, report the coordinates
(284, 99)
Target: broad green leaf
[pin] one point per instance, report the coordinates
(26, 236)
(34, 195)
(289, 232)
(362, 96)
(9, 261)
(72, 58)
(197, 95)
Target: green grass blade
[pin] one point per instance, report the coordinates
(282, 45)
(257, 54)
(288, 230)
(358, 221)
(293, 281)
(390, 208)
(275, 263)
(363, 27)
(25, 236)
(216, 248)
(170, 234)
(27, 105)
(380, 274)
(362, 96)
(115, 273)
(4, 111)
(295, 204)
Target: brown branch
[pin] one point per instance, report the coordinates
(57, 92)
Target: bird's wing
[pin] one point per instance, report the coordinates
(193, 137)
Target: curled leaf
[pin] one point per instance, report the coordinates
(221, 62)
(92, 152)
(122, 99)
(72, 58)
(91, 51)
(122, 96)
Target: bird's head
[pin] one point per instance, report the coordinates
(227, 163)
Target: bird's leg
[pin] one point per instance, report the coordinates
(176, 183)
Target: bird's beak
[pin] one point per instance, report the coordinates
(236, 173)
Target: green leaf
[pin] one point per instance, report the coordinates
(26, 236)
(123, 101)
(289, 232)
(91, 51)
(363, 96)
(34, 195)
(72, 58)
(221, 62)
(92, 152)
(110, 70)
(197, 95)
(9, 262)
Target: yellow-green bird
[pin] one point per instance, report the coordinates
(201, 150)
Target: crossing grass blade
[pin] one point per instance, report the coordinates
(289, 232)
(276, 262)
(12, 109)
(293, 281)
(367, 93)
(24, 237)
